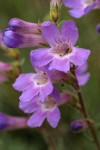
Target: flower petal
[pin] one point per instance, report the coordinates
(40, 57)
(77, 13)
(50, 32)
(23, 82)
(70, 32)
(60, 65)
(89, 8)
(29, 107)
(73, 3)
(28, 94)
(46, 90)
(65, 98)
(83, 79)
(79, 56)
(37, 119)
(80, 70)
(53, 117)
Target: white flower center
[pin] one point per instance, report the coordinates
(88, 2)
(41, 78)
(48, 103)
(62, 49)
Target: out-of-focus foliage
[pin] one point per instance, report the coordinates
(36, 11)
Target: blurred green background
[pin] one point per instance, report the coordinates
(34, 11)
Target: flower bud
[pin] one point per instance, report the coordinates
(78, 125)
(98, 28)
(56, 2)
(8, 122)
(15, 40)
(5, 66)
(22, 26)
(4, 69)
(54, 9)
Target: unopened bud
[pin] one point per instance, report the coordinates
(21, 26)
(98, 28)
(78, 125)
(15, 40)
(55, 9)
(9, 122)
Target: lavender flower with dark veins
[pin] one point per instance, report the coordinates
(62, 52)
(45, 109)
(33, 84)
(80, 8)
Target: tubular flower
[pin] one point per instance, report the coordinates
(11, 122)
(33, 84)
(62, 52)
(13, 39)
(21, 26)
(80, 8)
(45, 109)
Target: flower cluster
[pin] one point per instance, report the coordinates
(52, 64)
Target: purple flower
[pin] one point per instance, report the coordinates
(62, 52)
(33, 84)
(13, 39)
(81, 75)
(81, 7)
(21, 26)
(47, 109)
(11, 122)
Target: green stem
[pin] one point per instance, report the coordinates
(85, 114)
(49, 138)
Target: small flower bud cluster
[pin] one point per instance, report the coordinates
(22, 34)
(52, 65)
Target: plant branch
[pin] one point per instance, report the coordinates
(85, 114)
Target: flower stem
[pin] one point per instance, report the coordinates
(85, 114)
